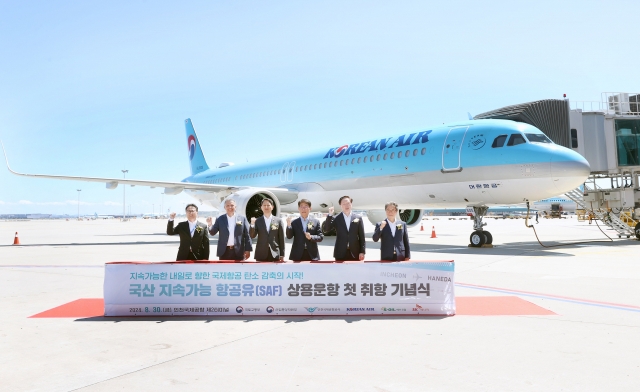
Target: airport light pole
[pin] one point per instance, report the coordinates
(124, 197)
(79, 190)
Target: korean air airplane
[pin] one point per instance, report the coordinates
(469, 164)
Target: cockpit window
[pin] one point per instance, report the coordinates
(537, 138)
(499, 141)
(516, 139)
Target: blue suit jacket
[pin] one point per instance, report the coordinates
(300, 240)
(398, 243)
(241, 239)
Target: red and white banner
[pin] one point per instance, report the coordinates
(232, 289)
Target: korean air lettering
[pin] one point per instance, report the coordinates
(375, 145)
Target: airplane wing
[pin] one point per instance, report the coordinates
(170, 188)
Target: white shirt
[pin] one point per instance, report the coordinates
(192, 227)
(304, 223)
(347, 220)
(267, 221)
(392, 226)
(231, 223)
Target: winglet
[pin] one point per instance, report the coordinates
(469, 115)
(6, 159)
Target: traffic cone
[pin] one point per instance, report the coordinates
(421, 226)
(16, 240)
(433, 232)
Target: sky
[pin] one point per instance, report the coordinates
(92, 88)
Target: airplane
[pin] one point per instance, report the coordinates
(557, 203)
(96, 216)
(477, 164)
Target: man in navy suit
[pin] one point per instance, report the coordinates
(234, 242)
(306, 234)
(270, 233)
(194, 241)
(395, 239)
(350, 241)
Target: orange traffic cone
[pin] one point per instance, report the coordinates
(433, 232)
(421, 226)
(16, 240)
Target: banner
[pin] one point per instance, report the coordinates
(253, 289)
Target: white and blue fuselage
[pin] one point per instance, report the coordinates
(474, 163)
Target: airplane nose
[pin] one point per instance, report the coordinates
(568, 169)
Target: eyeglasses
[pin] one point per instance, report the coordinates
(192, 211)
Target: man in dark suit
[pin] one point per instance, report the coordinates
(395, 239)
(268, 228)
(350, 241)
(306, 234)
(234, 242)
(194, 240)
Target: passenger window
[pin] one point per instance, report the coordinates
(353, 160)
(415, 152)
(384, 157)
(392, 155)
(423, 151)
(346, 162)
(516, 139)
(365, 159)
(499, 141)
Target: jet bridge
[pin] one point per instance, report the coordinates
(607, 133)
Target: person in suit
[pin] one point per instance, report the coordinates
(194, 240)
(306, 234)
(350, 242)
(234, 242)
(395, 239)
(270, 233)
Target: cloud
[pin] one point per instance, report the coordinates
(112, 203)
(2, 202)
(25, 202)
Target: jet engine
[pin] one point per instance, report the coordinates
(411, 217)
(248, 202)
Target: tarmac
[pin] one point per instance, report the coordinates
(561, 318)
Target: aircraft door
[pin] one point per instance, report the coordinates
(452, 149)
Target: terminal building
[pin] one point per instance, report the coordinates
(607, 133)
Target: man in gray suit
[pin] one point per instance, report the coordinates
(234, 242)
(270, 233)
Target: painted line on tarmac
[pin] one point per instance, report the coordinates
(610, 305)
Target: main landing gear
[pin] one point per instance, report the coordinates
(479, 236)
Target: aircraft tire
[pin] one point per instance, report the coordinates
(638, 231)
(477, 239)
(488, 238)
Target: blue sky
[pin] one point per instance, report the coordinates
(91, 88)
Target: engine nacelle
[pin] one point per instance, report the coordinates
(248, 202)
(411, 217)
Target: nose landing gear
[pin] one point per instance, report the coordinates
(479, 236)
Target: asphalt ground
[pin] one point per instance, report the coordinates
(587, 338)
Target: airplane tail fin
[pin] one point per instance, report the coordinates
(196, 157)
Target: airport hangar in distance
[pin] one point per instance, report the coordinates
(475, 163)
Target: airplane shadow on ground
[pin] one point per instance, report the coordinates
(288, 319)
(526, 248)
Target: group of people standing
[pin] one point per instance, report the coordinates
(235, 234)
